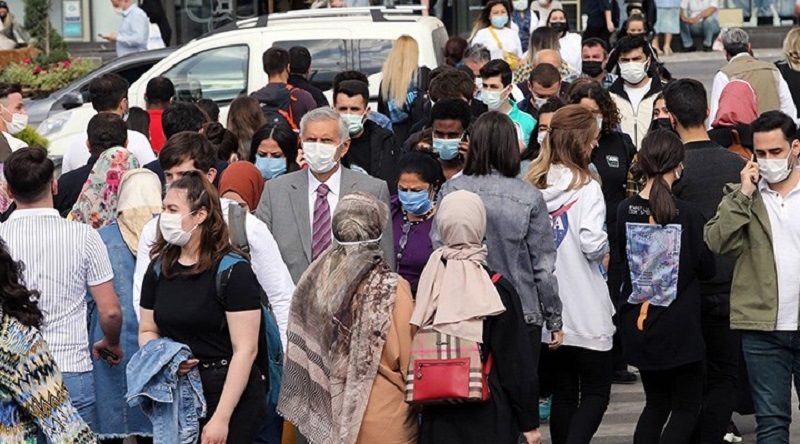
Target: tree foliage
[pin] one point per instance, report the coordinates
(51, 45)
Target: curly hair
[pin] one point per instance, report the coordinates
(16, 300)
(593, 90)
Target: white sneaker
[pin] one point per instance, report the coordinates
(730, 437)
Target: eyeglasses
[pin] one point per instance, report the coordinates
(403, 240)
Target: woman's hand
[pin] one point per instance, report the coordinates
(186, 366)
(558, 339)
(533, 437)
(216, 431)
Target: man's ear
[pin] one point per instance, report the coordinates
(53, 187)
(211, 174)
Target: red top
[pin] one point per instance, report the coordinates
(157, 138)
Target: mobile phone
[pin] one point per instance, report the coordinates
(754, 179)
(105, 354)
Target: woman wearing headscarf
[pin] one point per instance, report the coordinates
(457, 297)
(97, 204)
(737, 110)
(139, 201)
(242, 183)
(350, 338)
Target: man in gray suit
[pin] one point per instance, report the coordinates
(297, 207)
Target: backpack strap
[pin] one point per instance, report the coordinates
(224, 271)
(237, 218)
(496, 278)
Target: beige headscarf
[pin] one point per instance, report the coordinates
(457, 297)
(139, 200)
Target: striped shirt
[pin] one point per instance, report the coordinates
(62, 259)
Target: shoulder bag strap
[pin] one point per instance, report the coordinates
(496, 38)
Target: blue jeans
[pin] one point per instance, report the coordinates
(707, 28)
(81, 393)
(773, 360)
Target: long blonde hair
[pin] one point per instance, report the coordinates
(791, 48)
(565, 143)
(400, 70)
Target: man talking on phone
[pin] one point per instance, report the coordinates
(134, 31)
(757, 224)
(708, 167)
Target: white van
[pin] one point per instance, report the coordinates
(227, 62)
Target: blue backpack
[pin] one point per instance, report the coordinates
(270, 350)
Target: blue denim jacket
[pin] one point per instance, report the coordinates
(114, 418)
(173, 404)
(520, 241)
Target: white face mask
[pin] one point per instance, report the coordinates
(544, 2)
(540, 137)
(320, 156)
(18, 123)
(493, 99)
(119, 11)
(539, 101)
(355, 123)
(171, 226)
(520, 5)
(776, 170)
(633, 72)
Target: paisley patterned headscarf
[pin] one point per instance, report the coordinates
(97, 204)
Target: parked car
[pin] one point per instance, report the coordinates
(227, 62)
(76, 93)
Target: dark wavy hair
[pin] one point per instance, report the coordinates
(214, 236)
(17, 301)
(593, 90)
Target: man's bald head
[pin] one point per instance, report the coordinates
(549, 56)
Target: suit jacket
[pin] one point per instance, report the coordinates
(284, 208)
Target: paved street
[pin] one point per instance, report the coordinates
(627, 402)
(703, 66)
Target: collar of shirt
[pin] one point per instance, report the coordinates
(741, 54)
(126, 12)
(33, 212)
(763, 188)
(334, 182)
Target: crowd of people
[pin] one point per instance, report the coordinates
(494, 245)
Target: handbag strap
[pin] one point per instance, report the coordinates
(496, 38)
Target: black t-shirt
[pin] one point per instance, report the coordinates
(186, 310)
(672, 336)
(613, 159)
(360, 152)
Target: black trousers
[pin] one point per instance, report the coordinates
(723, 348)
(535, 335)
(581, 393)
(675, 394)
(248, 415)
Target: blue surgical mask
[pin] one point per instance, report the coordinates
(447, 148)
(271, 167)
(499, 21)
(415, 202)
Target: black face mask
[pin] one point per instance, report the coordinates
(559, 27)
(664, 123)
(592, 68)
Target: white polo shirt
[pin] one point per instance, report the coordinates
(784, 212)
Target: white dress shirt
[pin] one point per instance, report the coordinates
(334, 183)
(784, 212)
(265, 258)
(62, 260)
(721, 80)
(77, 153)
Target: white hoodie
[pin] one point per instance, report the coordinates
(578, 217)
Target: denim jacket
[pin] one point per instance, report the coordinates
(520, 241)
(114, 418)
(173, 404)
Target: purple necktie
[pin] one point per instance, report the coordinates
(321, 229)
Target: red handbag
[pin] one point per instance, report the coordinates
(447, 369)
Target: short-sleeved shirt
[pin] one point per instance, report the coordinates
(693, 8)
(187, 310)
(524, 122)
(62, 258)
